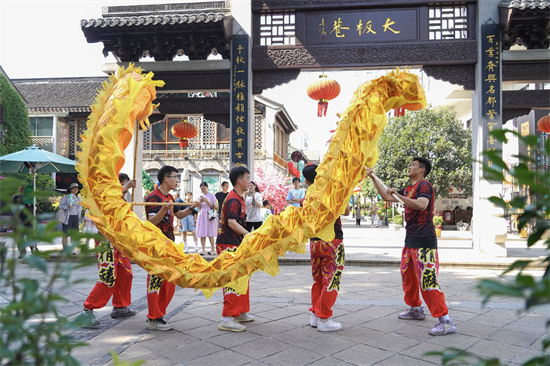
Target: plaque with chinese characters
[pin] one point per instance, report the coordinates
(240, 105)
(491, 104)
(362, 26)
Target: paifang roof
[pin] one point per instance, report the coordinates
(59, 94)
(145, 20)
(528, 4)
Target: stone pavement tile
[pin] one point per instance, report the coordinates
(258, 308)
(400, 360)
(419, 350)
(282, 313)
(134, 351)
(297, 320)
(537, 345)
(255, 363)
(455, 340)
(329, 361)
(212, 312)
(299, 336)
(536, 329)
(232, 339)
(471, 328)
(154, 359)
(205, 332)
(386, 324)
(292, 356)
(392, 342)
(328, 344)
(162, 341)
(190, 351)
(526, 355)
(358, 333)
(512, 337)
(271, 328)
(181, 316)
(362, 355)
(184, 325)
(381, 311)
(261, 347)
(505, 352)
(418, 330)
(460, 316)
(357, 318)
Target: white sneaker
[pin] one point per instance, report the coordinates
(328, 325)
(158, 324)
(244, 317)
(185, 249)
(92, 321)
(314, 320)
(231, 325)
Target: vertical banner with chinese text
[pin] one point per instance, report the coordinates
(491, 104)
(240, 103)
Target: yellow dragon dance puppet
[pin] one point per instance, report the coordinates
(127, 97)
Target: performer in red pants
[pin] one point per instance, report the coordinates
(115, 276)
(159, 291)
(327, 265)
(230, 235)
(419, 260)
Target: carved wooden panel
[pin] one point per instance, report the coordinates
(195, 81)
(433, 53)
(526, 99)
(267, 79)
(526, 71)
(219, 105)
(460, 75)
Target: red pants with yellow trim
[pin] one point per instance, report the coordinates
(233, 304)
(419, 269)
(327, 265)
(159, 295)
(115, 280)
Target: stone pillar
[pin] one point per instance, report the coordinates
(242, 22)
(488, 225)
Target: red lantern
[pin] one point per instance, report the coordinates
(184, 131)
(290, 167)
(399, 112)
(544, 124)
(323, 90)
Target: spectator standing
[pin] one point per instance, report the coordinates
(265, 211)
(232, 230)
(187, 224)
(296, 194)
(358, 215)
(25, 217)
(253, 203)
(159, 291)
(207, 226)
(221, 196)
(71, 202)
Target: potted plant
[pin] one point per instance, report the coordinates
(438, 222)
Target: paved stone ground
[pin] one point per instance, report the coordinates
(367, 307)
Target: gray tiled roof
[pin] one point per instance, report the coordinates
(59, 94)
(528, 4)
(165, 19)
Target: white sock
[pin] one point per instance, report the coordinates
(444, 318)
(226, 318)
(416, 307)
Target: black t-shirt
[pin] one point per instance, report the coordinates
(166, 224)
(233, 208)
(420, 228)
(220, 196)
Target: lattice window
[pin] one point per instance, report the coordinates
(448, 22)
(258, 127)
(147, 138)
(43, 142)
(194, 143)
(80, 130)
(208, 138)
(72, 144)
(277, 28)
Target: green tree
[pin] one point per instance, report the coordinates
(432, 133)
(368, 189)
(15, 119)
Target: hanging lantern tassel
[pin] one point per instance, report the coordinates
(323, 90)
(184, 143)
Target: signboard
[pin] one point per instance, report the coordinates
(491, 103)
(362, 26)
(240, 103)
